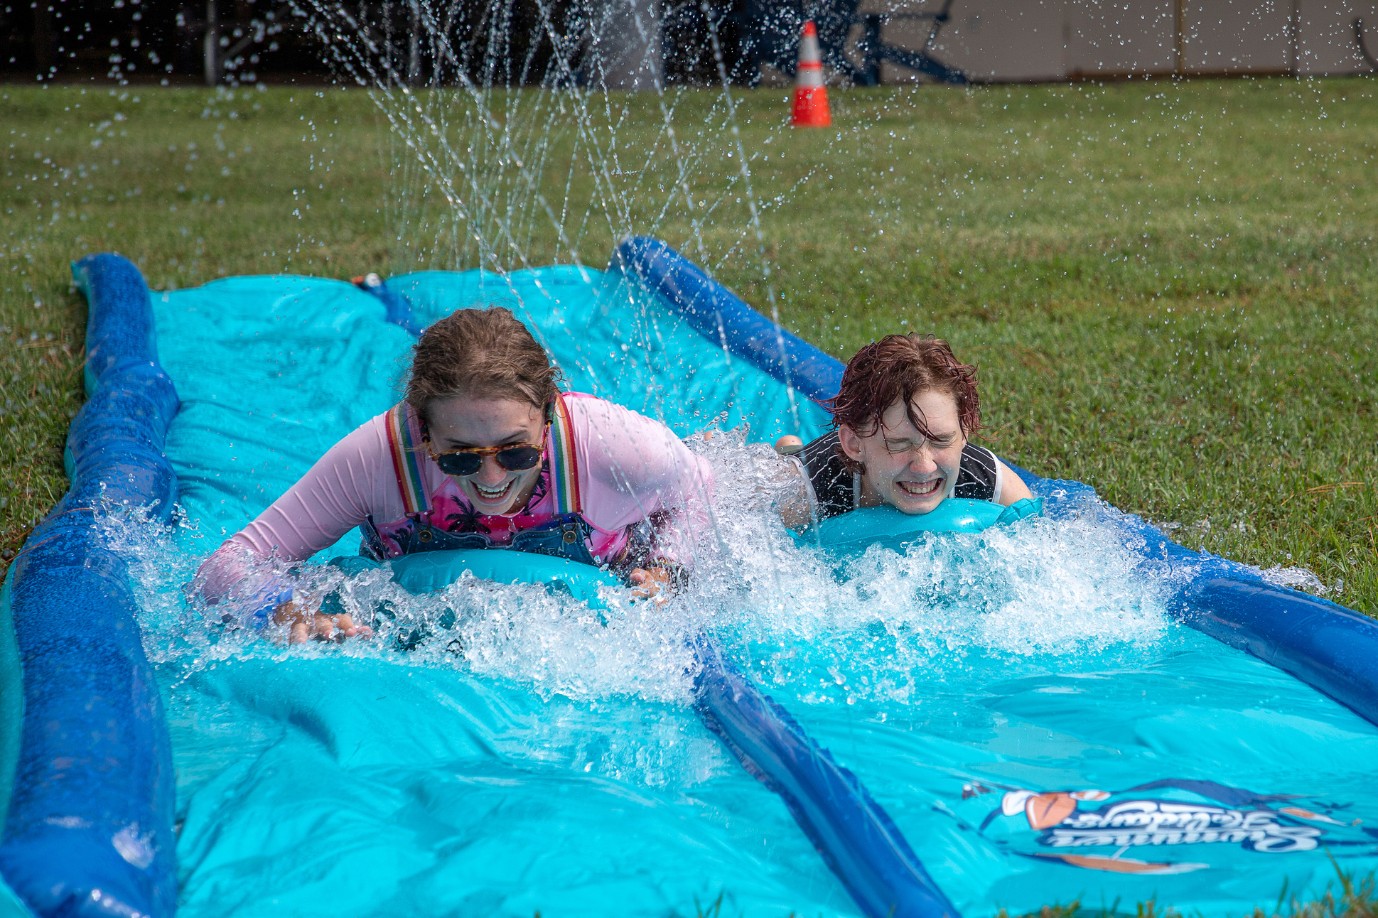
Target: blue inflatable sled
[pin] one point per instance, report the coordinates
(150, 767)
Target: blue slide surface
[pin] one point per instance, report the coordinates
(89, 826)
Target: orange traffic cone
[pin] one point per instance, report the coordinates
(810, 95)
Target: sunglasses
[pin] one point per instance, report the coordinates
(517, 457)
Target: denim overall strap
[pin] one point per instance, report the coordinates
(404, 444)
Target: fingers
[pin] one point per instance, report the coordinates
(303, 625)
(649, 582)
(322, 627)
(347, 628)
(328, 628)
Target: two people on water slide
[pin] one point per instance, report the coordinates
(486, 451)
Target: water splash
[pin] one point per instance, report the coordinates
(1041, 591)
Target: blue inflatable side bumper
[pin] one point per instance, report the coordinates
(89, 829)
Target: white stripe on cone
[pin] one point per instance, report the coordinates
(810, 75)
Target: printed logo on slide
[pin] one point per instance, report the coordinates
(1098, 829)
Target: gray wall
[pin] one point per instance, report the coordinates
(998, 40)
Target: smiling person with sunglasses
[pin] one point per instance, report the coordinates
(484, 451)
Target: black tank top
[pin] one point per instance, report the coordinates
(837, 489)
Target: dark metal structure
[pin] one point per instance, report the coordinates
(852, 41)
(419, 42)
(444, 42)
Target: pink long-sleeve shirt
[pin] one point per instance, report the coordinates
(628, 468)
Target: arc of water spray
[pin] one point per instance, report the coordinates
(382, 73)
(439, 174)
(439, 159)
(433, 162)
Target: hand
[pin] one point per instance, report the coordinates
(305, 624)
(788, 445)
(650, 583)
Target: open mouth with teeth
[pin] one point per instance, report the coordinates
(920, 488)
(491, 495)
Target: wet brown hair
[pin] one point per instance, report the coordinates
(480, 353)
(896, 369)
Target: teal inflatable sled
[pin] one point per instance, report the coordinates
(92, 816)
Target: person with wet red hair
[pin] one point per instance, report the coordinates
(902, 417)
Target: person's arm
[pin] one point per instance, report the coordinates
(246, 574)
(1010, 487)
(778, 481)
(791, 494)
(632, 469)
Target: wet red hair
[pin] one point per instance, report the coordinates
(896, 369)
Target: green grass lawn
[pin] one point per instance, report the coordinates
(1171, 289)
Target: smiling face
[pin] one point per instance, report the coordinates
(463, 421)
(900, 466)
